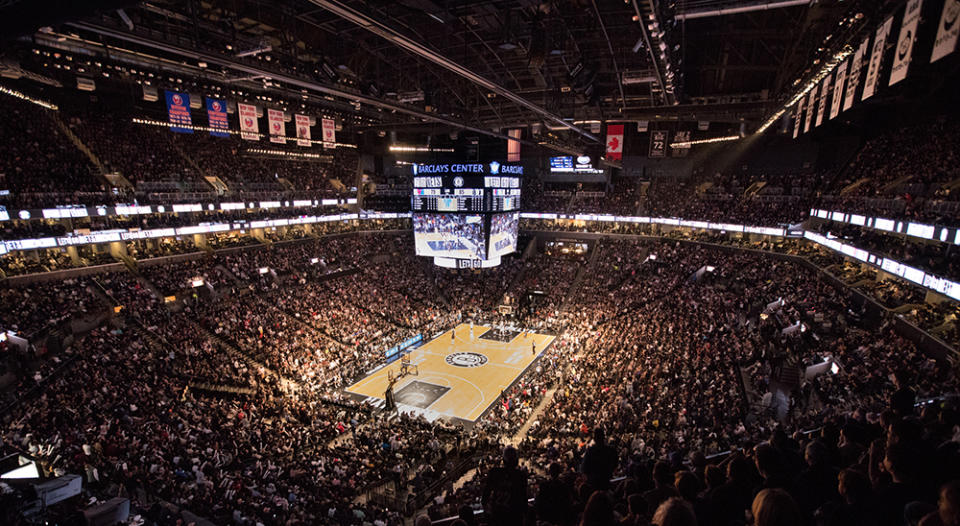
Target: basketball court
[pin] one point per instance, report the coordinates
(454, 376)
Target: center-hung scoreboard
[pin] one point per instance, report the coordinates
(466, 215)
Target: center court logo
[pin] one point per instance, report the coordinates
(466, 359)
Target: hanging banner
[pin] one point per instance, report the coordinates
(838, 89)
(873, 72)
(796, 118)
(513, 145)
(811, 101)
(703, 125)
(178, 111)
(217, 116)
(249, 127)
(278, 131)
(908, 34)
(947, 31)
(303, 130)
(680, 137)
(824, 92)
(643, 126)
(329, 134)
(615, 141)
(856, 72)
(658, 144)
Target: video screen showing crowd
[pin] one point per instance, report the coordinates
(503, 233)
(449, 235)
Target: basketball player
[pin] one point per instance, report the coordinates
(533, 347)
(471, 330)
(453, 335)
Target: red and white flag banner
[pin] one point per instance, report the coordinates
(615, 142)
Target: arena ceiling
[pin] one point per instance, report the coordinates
(488, 64)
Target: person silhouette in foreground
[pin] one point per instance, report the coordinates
(599, 461)
(505, 492)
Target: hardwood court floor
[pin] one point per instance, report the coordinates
(459, 378)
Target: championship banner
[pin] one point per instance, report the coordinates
(249, 127)
(329, 133)
(513, 145)
(658, 144)
(303, 130)
(873, 72)
(178, 111)
(217, 116)
(615, 141)
(797, 117)
(811, 101)
(856, 71)
(679, 137)
(703, 125)
(947, 31)
(838, 89)
(908, 34)
(824, 92)
(278, 131)
(643, 126)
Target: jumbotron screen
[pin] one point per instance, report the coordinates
(503, 233)
(466, 215)
(459, 236)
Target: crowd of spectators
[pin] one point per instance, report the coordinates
(651, 345)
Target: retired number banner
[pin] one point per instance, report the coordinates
(856, 72)
(329, 133)
(838, 89)
(824, 91)
(303, 130)
(658, 143)
(876, 56)
(811, 101)
(797, 117)
(908, 34)
(249, 127)
(278, 131)
(947, 31)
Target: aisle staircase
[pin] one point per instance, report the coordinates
(101, 171)
(215, 182)
(585, 270)
(76, 141)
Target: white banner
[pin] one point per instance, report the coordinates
(278, 132)
(703, 125)
(249, 128)
(824, 92)
(873, 72)
(811, 102)
(838, 89)
(797, 117)
(908, 34)
(947, 31)
(329, 133)
(303, 130)
(856, 73)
